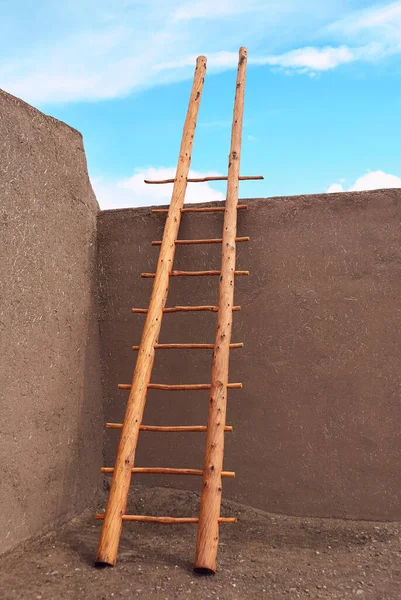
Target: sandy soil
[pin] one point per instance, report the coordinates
(262, 556)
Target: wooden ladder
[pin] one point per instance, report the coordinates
(209, 516)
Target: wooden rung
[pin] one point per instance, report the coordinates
(193, 273)
(180, 386)
(203, 179)
(198, 210)
(174, 309)
(166, 520)
(190, 346)
(167, 471)
(206, 241)
(177, 428)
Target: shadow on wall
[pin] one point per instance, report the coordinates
(51, 407)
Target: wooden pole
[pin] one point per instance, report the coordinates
(200, 210)
(208, 528)
(112, 524)
(178, 386)
(190, 346)
(166, 520)
(167, 471)
(167, 428)
(174, 309)
(207, 241)
(202, 179)
(193, 274)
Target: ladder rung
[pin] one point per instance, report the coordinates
(173, 309)
(177, 428)
(189, 346)
(193, 273)
(198, 210)
(166, 520)
(205, 241)
(167, 471)
(203, 179)
(180, 386)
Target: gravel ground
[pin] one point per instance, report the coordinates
(262, 556)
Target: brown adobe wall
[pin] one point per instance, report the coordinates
(316, 426)
(51, 415)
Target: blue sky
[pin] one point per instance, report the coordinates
(323, 94)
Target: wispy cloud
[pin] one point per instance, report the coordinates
(303, 60)
(132, 191)
(377, 29)
(310, 59)
(106, 50)
(204, 9)
(387, 16)
(373, 180)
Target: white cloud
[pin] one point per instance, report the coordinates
(204, 9)
(378, 28)
(303, 60)
(132, 191)
(106, 50)
(310, 59)
(373, 180)
(376, 180)
(251, 138)
(384, 15)
(335, 187)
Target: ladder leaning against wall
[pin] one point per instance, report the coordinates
(210, 503)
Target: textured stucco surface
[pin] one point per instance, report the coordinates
(51, 415)
(316, 426)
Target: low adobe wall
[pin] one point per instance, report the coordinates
(51, 416)
(316, 426)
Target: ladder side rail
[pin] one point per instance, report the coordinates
(208, 527)
(116, 506)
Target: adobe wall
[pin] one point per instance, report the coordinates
(51, 413)
(316, 426)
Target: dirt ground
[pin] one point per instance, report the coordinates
(262, 556)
